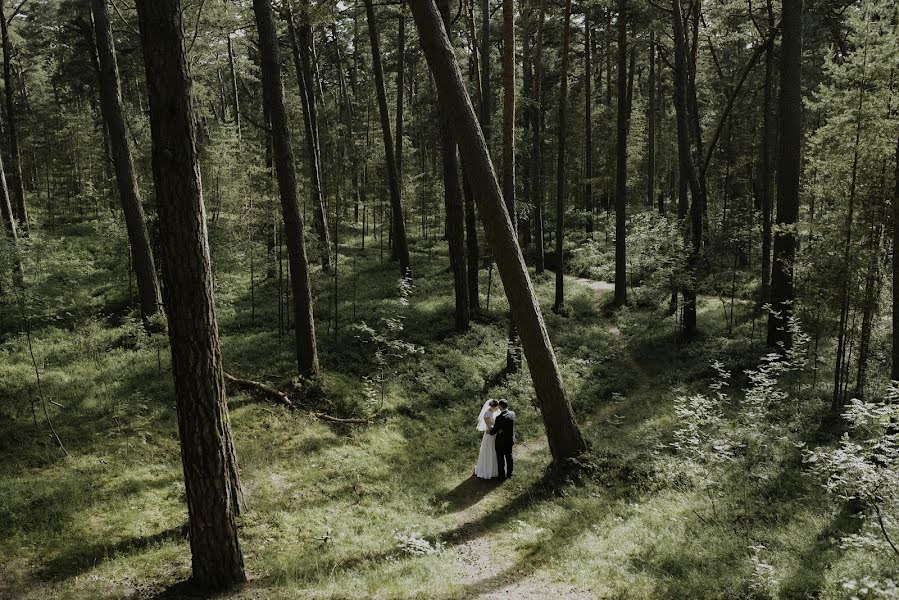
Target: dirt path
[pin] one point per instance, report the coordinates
(485, 578)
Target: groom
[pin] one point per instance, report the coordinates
(504, 430)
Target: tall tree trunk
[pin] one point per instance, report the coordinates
(486, 86)
(783, 294)
(399, 225)
(221, 91)
(400, 91)
(869, 309)
(300, 41)
(235, 97)
(537, 140)
(608, 37)
(113, 117)
(564, 436)
(688, 170)
(765, 166)
(211, 479)
(471, 222)
(846, 331)
(560, 164)
(588, 123)
(621, 164)
(471, 242)
(651, 126)
(527, 85)
(513, 356)
(631, 70)
(455, 218)
(894, 371)
(273, 96)
(15, 155)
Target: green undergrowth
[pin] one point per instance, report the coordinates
(388, 509)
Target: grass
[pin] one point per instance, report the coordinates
(324, 502)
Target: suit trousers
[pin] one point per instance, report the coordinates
(504, 460)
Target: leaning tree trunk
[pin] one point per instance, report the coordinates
(783, 293)
(560, 163)
(273, 96)
(401, 246)
(564, 436)
(113, 117)
(300, 41)
(621, 162)
(455, 217)
(15, 155)
(9, 225)
(211, 480)
(537, 141)
(513, 355)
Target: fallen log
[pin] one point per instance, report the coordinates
(279, 397)
(269, 392)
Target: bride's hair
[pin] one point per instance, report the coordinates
(493, 404)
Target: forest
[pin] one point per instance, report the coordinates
(287, 287)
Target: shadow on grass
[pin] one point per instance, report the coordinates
(468, 493)
(547, 486)
(183, 590)
(85, 558)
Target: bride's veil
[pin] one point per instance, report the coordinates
(482, 424)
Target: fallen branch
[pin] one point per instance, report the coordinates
(279, 397)
(269, 392)
(324, 417)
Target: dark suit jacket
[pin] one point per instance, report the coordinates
(504, 429)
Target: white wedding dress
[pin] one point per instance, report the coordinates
(487, 467)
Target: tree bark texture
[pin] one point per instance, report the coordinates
(455, 212)
(401, 246)
(300, 41)
(129, 196)
(783, 293)
(273, 96)
(560, 162)
(621, 161)
(211, 477)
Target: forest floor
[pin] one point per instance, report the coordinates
(387, 509)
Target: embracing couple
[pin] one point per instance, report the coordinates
(498, 424)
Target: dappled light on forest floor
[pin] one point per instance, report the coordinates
(273, 273)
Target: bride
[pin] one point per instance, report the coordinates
(487, 467)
